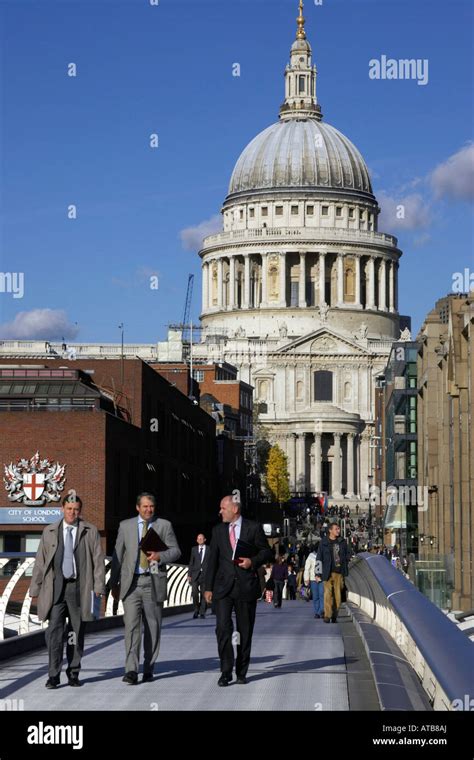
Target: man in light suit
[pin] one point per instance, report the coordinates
(140, 581)
(196, 571)
(235, 587)
(69, 566)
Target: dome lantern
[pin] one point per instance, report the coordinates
(300, 78)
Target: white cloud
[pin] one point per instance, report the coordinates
(192, 237)
(455, 177)
(421, 240)
(408, 212)
(39, 324)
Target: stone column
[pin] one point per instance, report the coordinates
(301, 475)
(246, 299)
(350, 466)
(302, 283)
(220, 300)
(231, 304)
(210, 292)
(264, 302)
(337, 470)
(322, 278)
(382, 286)
(340, 279)
(371, 284)
(205, 286)
(317, 462)
(391, 289)
(283, 279)
(294, 468)
(395, 285)
(357, 281)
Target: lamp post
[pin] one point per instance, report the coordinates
(121, 327)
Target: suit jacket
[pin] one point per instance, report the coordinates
(222, 574)
(195, 568)
(47, 579)
(125, 557)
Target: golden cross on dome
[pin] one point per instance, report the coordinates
(300, 34)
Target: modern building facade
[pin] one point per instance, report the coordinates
(446, 446)
(396, 449)
(117, 429)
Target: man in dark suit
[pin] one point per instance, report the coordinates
(235, 587)
(196, 572)
(69, 568)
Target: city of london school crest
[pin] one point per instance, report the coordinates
(34, 481)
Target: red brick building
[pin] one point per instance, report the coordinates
(119, 428)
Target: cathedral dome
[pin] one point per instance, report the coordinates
(300, 154)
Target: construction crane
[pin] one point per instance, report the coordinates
(187, 306)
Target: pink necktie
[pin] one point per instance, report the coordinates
(232, 536)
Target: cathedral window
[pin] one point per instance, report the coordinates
(324, 210)
(310, 210)
(338, 210)
(301, 84)
(351, 213)
(294, 210)
(279, 210)
(323, 385)
(241, 214)
(251, 213)
(264, 210)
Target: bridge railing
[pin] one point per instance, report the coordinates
(15, 574)
(441, 654)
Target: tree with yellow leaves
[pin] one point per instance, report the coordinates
(277, 477)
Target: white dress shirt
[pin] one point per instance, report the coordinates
(74, 536)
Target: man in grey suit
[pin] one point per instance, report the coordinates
(196, 574)
(140, 581)
(69, 567)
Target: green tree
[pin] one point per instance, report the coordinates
(277, 477)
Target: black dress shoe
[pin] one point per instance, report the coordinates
(131, 678)
(147, 677)
(224, 680)
(327, 620)
(52, 683)
(318, 617)
(195, 615)
(241, 679)
(334, 619)
(73, 681)
(202, 616)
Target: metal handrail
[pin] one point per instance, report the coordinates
(440, 653)
(179, 590)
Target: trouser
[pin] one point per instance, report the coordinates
(317, 592)
(278, 593)
(332, 594)
(291, 592)
(138, 605)
(245, 620)
(197, 588)
(68, 606)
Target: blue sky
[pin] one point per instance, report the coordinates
(167, 69)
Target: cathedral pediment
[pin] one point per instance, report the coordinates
(324, 341)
